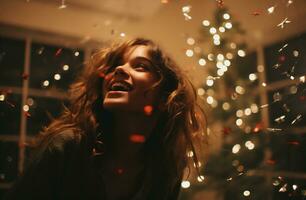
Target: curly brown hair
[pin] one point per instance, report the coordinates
(181, 124)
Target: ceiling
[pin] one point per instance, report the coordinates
(161, 20)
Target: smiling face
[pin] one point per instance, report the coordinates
(128, 85)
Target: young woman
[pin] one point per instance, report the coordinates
(132, 117)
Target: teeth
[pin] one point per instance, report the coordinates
(118, 86)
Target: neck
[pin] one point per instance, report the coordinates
(128, 136)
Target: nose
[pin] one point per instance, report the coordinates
(121, 71)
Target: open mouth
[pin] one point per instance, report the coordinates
(120, 86)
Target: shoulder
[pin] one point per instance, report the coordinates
(56, 145)
(62, 140)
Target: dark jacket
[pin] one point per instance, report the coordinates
(64, 170)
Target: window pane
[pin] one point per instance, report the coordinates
(40, 113)
(8, 161)
(10, 113)
(54, 67)
(286, 59)
(11, 61)
(287, 107)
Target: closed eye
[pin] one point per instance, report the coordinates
(141, 67)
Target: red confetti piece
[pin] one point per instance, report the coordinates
(101, 74)
(258, 127)
(27, 114)
(119, 171)
(148, 110)
(58, 52)
(294, 143)
(137, 138)
(271, 162)
(25, 76)
(22, 144)
(302, 98)
(226, 130)
(282, 58)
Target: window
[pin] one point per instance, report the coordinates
(29, 100)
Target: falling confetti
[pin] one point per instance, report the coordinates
(63, 5)
(276, 66)
(280, 119)
(25, 76)
(296, 119)
(27, 114)
(285, 107)
(283, 47)
(271, 9)
(274, 129)
(186, 11)
(294, 143)
(119, 171)
(148, 110)
(264, 106)
(289, 2)
(283, 188)
(137, 138)
(271, 162)
(58, 52)
(285, 21)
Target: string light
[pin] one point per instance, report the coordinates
(236, 148)
(226, 106)
(217, 42)
(66, 67)
(239, 122)
(241, 53)
(205, 23)
(250, 145)
(247, 111)
(202, 62)
(221, 29)
(189, 52)
(209, 82)
(254, 108)
(46, 83)
(246, 193)
(57, 77)
(213, 30)
(252, 77)
(216, 37)
(185, 184)
(201, 91)
(226, 16)
(228, 25)
(26, 108)
(229, 56)
(190, 41)
(210, 99)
